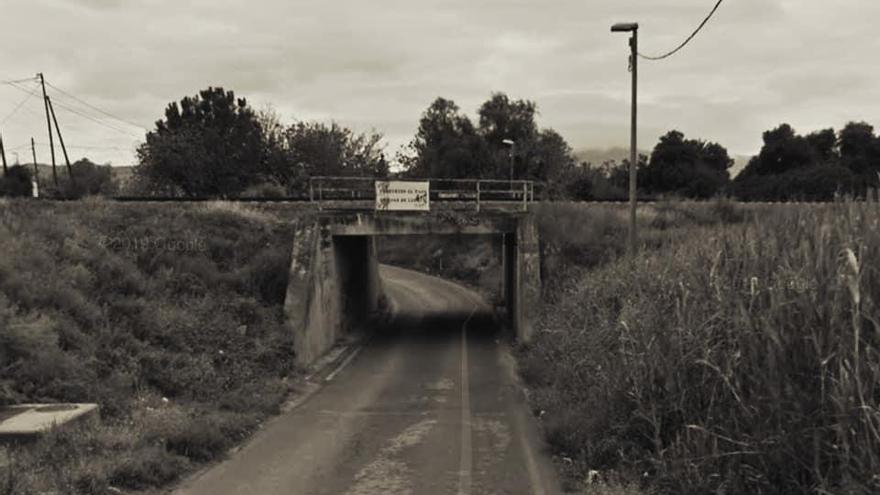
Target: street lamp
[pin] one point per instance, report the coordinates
(632, 27)
(512, 144)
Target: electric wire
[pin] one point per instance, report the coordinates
(93, 107)
(20, 104)
(19, 80)
(688, 40)
(89, 117)
(76, 111)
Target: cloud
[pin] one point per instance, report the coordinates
(377, 65)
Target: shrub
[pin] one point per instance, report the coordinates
(146, 468)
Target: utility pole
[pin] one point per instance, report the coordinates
(36, 181)
(3, 156)
(633, 152)
(49, 126)
(61, 141)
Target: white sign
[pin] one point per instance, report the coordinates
(396, 195)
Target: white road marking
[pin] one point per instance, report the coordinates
(342, 365)
(466, 458)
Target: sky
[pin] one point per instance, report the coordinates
(377, 65)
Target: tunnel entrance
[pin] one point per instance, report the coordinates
(475, 261)
(336, 281)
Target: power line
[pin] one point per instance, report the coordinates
(93, 107)
(689, 38)
(76, 111)
(19, 80)
(93, 119)
(18, 107)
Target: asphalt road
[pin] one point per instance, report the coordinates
(428, 406)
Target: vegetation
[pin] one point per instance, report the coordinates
(818, 166)
(447, 144)
(169, 317)
(741, 359)
(16, 182)
(215, 145)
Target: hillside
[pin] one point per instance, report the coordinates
(168, 316)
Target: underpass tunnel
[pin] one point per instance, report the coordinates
(474, 261)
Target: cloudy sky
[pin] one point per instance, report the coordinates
(378, 64)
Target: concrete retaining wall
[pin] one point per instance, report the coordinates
(334, 283)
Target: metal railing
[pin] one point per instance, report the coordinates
(477, 192)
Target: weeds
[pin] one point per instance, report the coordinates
(125, 305)
(741, 359)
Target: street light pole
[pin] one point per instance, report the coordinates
(633, 152)
(512, 144)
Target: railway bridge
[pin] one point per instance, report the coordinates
(334, 283)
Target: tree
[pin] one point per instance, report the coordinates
(860, 153)
(88, 179)
(210, 144)
(307, 149)
(815, 167)
(686, 167)
(16, 182)
(501, 118)
(446, 144)
(783, 150)
(824, 144)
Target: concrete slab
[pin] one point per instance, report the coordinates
(26, 422)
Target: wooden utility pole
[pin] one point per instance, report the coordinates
(49, 127)
(3, 155)
(61, 142)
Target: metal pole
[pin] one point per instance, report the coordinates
(633, 153)
(512, 155)
(478, 196)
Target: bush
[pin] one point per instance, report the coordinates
(146, 468)
(16, 182)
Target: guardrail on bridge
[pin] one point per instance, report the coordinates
(469, 193)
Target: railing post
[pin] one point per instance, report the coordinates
(525, 196)
(311, 190)
(478, 195)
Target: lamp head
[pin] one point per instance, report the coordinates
(625, 27)
(508, 142)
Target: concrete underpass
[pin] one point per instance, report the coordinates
(428, 404)
(334, 278)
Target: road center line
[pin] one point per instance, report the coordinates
(466, 458)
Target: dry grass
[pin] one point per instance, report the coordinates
(168, 316)
(737, 359)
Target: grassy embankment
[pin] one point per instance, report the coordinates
(739, 358)
(168, 316)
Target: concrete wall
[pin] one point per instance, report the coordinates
(334, 283)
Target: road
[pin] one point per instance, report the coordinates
(428, 406)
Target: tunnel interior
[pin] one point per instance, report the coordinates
(479, 262)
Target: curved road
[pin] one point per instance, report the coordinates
(428, 406)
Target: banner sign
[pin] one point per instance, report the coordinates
(395, 195)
